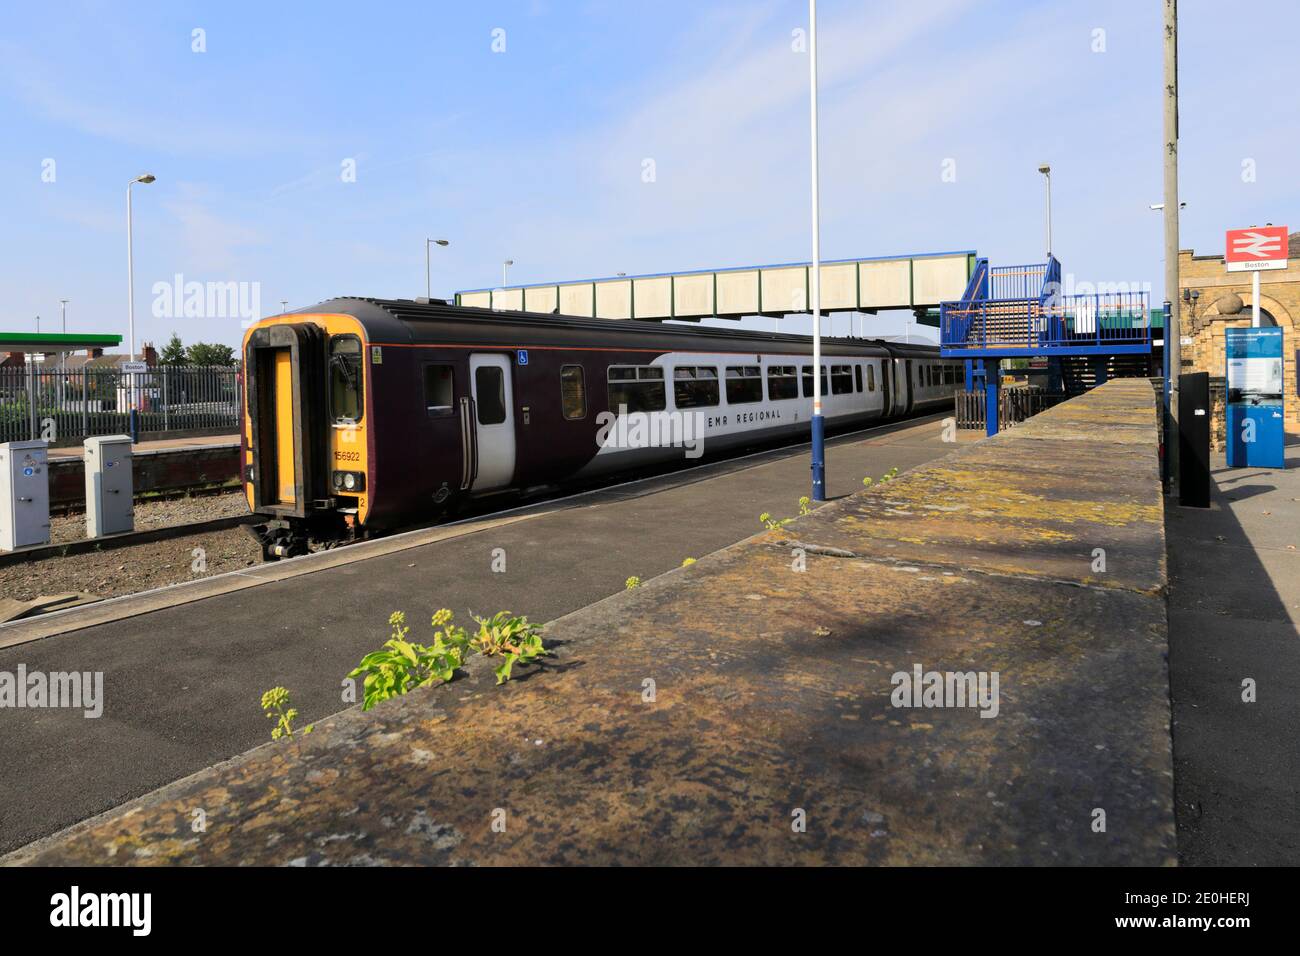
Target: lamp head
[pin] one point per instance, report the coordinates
(1045, 169)
(146, 178)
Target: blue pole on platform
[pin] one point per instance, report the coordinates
(135, 426)
(818, 458)
(991, 383)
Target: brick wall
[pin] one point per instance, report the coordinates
(1279, 295)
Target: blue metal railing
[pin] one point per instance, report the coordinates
(1049, 322)
(1017, 282)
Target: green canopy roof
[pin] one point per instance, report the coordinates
(56, 342)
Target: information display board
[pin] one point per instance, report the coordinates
(1255, 434)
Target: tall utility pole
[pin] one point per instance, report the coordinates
(145, 178)
(1173, 325)
(818, 423)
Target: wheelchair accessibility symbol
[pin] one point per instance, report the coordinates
(523, 356)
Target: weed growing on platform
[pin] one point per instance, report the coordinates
(402, 665)
(688, 562)
(890, 475)
(509, 639)
(278, 708)
(632, 582)
(772, 524)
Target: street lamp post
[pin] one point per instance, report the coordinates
(130, 267)
(818, 423)
(1046, 170)
(63, 356)
(505, 272)
(428, 287)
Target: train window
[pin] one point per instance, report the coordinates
(345, 378)
(490, 394)
(695, 386)
(841, 379)
(635, 388)
(438, 389)
(920, 375)
(808, 382)
(857, 376)
(573, 392)
(871, 378)
(744, 384)
(782, 382)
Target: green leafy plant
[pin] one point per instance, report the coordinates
(688, 562)
(773, 523)
(867, 481)
(278, 707)
(509, 638)
(401, 664)
(632, 582)
(805, 505)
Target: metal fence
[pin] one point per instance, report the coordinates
(1014, 406)
(63, 406)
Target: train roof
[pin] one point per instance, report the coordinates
(417, 321)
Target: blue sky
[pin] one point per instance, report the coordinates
(536, 153)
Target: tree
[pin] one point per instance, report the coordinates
(205, 353)
(173, 352)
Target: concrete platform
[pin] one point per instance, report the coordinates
(1234, 614)
(167, 444)
(772, 704)
(184, 666)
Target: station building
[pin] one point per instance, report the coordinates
(1213, 299)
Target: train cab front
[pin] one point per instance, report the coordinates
(304, 437)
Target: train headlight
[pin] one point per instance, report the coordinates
(349, 481)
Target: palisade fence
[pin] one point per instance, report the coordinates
(1015, 404)
(65, 406)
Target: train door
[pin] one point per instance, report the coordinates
(284, 388)
(911, 389)
(886, 409)
(494, 420)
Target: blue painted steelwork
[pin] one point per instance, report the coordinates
(992, 381)
(818, 458)
(1020, 312)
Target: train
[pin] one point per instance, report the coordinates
(365, 415)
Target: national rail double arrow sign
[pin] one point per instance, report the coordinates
(1256, 249)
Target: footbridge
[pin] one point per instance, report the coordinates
(919, 282)
(1018, 311)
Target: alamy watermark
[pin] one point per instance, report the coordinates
(179, 299)
(920, 688)
(61, 689)
(652, 430)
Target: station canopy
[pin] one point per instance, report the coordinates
(40, 342)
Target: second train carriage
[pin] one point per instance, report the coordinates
(365, 414)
